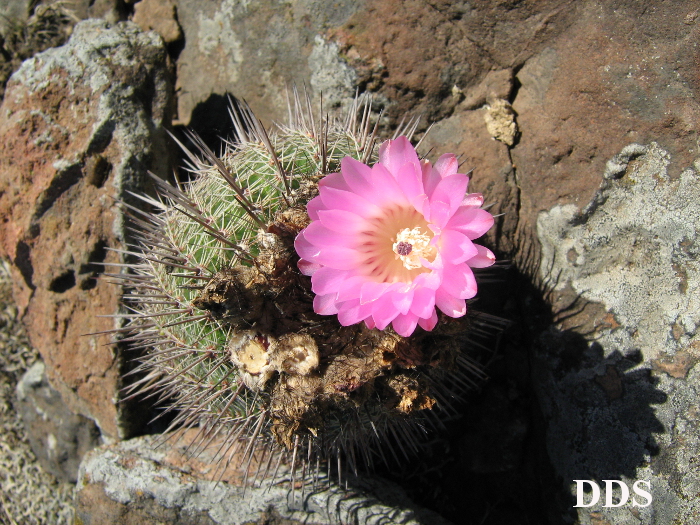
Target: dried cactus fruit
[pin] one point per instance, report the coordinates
(226, 320)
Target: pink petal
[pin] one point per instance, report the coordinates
(327, 280)
(358, 177)
(446, 165)
(351, 288)
(335, 199)
(313, 207)
(473, 222)
(473, 200)
(449, 304)
(338, 258)
(372, 291)
(423, 302)
(458, 281)
(370, 323)
(384, 311)
(430, 280)
(440, 213)
(410, 181)
(436, 265)
(484, 259)
(342, 221)
(422, 205)
(325, 304)
(393, 154)
(402, 301)
(304, 248)
(386, 186)
(317, 234)
(428, 324)
(404, 325)
(450, 191)
(352, 312)
(307, 267)
(431, 177)
(456, 247)
(334, 180)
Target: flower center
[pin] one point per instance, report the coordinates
(394, 244)
(411, 246)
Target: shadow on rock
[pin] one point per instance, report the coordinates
(600, 409)
(211, 121)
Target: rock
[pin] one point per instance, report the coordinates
(618, 376)
(495, 85)
(138, 482)
(79, 127)
(330, 77)
(59, 438)
(159, 16)
(579, 95)
(596, 88)
(256, 50)
(580, 98)
(417, 58)
(415, 53)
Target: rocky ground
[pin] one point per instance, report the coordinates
(580, 119)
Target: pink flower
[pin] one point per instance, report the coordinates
(389, 243)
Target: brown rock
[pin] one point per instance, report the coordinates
(79, 127)
(495, 85)
(159, 16)
(620, 74)
(588, 82)
(680, 364)
(414, 52)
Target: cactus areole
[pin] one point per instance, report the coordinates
(305, 293)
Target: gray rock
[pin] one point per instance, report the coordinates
(255, 50)
(149, 480)
(330, 74)
(59, 438)
(622, 399)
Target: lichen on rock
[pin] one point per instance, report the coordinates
(622, 404)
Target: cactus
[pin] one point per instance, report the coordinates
(225, 320)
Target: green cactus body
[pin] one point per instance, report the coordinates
(232, 341)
